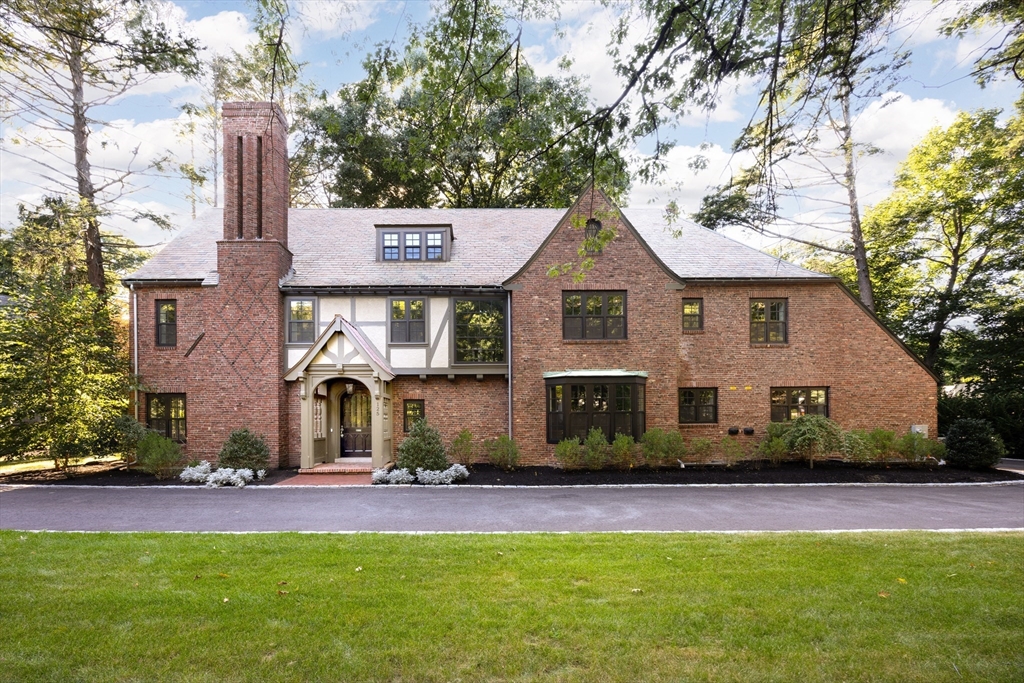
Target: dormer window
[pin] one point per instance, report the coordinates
(414, 242)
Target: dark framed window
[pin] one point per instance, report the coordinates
(413, 411)
(166, 322)
(768, 321)
(435, 246)
(390, 246)
(698, 406)
(479, 331)
(593, 315)
(789, 403)
(408, 321)
(301, 323)
(165, 415)
(693, 315)
(412, 246)
(615, 405)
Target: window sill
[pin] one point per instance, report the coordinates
(298, 345)
(407, 345)
(773, 345)
(164, 347)
(698, 424)
(594, 341)
(693, 331)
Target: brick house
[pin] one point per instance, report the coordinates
(330, 330)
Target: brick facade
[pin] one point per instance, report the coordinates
(833, 342)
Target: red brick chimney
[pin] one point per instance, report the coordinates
(255, 172)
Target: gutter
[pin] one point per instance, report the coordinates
(386, 290)
(129, 283)
(135, 345)
(508, 350)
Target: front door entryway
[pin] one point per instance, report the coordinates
(356, 427)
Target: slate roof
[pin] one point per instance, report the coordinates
(337, 248)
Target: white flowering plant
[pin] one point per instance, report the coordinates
(203, 473)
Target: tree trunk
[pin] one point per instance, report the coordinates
(860, 252)
(83, 170)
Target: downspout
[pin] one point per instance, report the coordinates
(508, 347)
(135, 346)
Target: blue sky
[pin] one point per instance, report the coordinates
(333, 37)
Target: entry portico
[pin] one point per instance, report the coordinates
(335, 368)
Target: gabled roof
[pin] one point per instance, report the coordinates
(365, 347)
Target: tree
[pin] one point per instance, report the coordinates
(61, 61)
(1005, 59)
(460, 120)
(63, 368)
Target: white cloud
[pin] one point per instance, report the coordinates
(222, 33)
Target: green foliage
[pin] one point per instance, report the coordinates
(595, 449)
(731, 449)
(569, 453)
(459, 120)
(701, 448)
(856, 446)
(813, 436)
(661, 448)
(502, 452)
(462, 449)
(973, 443)
(773, 448)
(882, 443)
(129, 433)
(244, 449)
(915, 447)
(422, 448)
(624, 452)
(1004, 60)
(1005, 410)
(159, 456)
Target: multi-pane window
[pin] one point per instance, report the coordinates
(693, 314)
(593, 315)
(435, 246)
(613, 405)
(790, 403)
(413, 412)
(479, 331)
(412, 246)
(301, 326)
(768, 321)
(166, 322)
(408, 321)
(165, 415)
(390, 246)
(698, 405)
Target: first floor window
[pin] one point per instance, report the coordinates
(790, 403)
(413, 412)
(698, 405)
(479, 331)
(165, 415)
(593, 315)
(768, 321)
(166, 322)
(693, 314)
(301, 328)
(408, 321)
(613, 405)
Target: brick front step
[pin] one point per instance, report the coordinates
(338, 468)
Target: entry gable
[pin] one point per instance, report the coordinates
(341, 342)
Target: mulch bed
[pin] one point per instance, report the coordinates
(827, 472)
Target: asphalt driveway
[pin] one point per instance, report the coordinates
(416, 509)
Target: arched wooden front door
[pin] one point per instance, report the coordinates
(356, 427)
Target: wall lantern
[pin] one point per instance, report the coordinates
(591, 232)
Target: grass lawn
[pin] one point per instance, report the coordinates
(581, 607)
(44, 464)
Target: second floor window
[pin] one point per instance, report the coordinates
(593, 315)
(435, 246)
(412, 246)
(479, 331)
(768, 321)
(301, 327)
(693, 315)
(408, 321)
(166, 322)
(391, 246)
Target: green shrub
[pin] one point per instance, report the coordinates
(856, 446)
(882, 443)
(462, 450)
(243, 449)
(569, 453)
(973, 443)
(129, 432)
(702, 448)
(595, 449)
(732, 450)
(502, 452)
(652, 443)
(675, 447)
(773, 449)
(159, 456)
(914, 447)
(778, 430)
(1003, 409)
(423, 448)
(813, 436)
(624, 452)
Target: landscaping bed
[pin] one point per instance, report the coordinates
(824, 472)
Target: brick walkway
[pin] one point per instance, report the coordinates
(326, 480)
